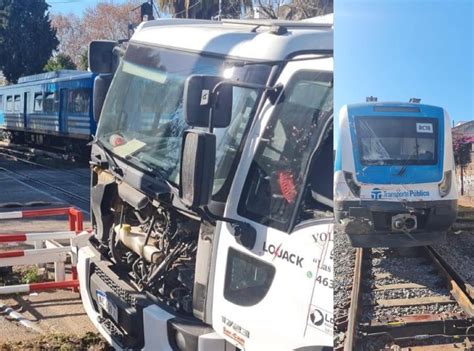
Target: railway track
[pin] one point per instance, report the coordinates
(27, 155)
(408, 299)
(67, 195)
(66, 186)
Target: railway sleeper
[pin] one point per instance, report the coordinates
(466, 345)
(418, 327)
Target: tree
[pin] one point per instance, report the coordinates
(108, 21)
(84, 60)
(103, 21)
(294, 9)
(26, 37)
(205, 9)
(58, 62)
(462, 148)
(462, 152)
(69, 32)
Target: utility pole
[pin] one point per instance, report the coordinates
(146, 14)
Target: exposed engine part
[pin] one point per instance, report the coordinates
(157, 247)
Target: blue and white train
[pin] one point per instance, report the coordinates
(50, 109)
(394, 182)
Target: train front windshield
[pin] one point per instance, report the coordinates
(397, 141)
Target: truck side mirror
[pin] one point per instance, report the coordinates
(101, 57)
(197, 168)
(200, 101)
(101, 86)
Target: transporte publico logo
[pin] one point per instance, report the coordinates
(377, 194)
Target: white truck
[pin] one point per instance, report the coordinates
(211, 197)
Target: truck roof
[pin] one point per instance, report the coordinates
(248, 39)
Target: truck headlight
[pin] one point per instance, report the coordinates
(355, 189)
(445, 186)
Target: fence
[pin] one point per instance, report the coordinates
(47, 249)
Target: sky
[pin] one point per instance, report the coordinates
(398, 49)
(393, 49)
(74, 6)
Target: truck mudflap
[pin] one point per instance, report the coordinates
(128, 319)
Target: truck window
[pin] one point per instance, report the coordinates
(277, 174)
(247, 279)
(78, 101)
(38, 107)
(9, 103)
(17, 105)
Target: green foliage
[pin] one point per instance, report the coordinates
(84, 60)
(26, 37)
(58, 62)
(30, 276)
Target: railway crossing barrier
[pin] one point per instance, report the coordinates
(47, 249)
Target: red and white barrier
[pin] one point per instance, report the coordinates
(36, 287)
(33, 237)
(75, 217)
(46, 250)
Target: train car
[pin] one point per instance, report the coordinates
(51, 109)
(394, 182)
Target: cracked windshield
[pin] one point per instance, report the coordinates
(143, 122)
(397, 141)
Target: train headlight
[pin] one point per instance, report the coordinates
(445, 186)
(355, 189)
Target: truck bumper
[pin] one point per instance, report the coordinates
(128, 319)
(369, 223)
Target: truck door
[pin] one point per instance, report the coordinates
(278, 295)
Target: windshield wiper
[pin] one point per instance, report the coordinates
(156, 172)
(114, 167)
(408, 159)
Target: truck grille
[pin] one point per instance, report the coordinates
(124, 295)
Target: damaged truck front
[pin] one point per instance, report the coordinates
(212, 187)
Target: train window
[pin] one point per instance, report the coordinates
(38, 102)
(17, 103)
(78, 101)
(50, 102)
(9, 103)
(1, 102)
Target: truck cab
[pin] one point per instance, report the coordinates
(211, 197)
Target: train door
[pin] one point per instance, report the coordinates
(25, 110)
(63, 108)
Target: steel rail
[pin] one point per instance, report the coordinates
(15, 176)
(417, 327)
(13, 154)
(351, 333)
(460, 295)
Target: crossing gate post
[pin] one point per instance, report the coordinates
(46, 249)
